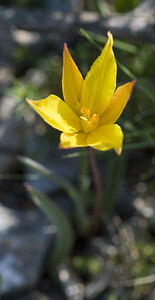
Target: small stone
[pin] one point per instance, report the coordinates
(72, 286)
(98, 286)
(11, 136)
(25, 238)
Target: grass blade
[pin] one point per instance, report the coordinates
(102, 39)
(64, 184)
(64, 236)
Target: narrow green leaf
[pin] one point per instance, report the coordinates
(63, 183)
(102, 39)
(64, 236)
(141, 132)
(76, 154)
(139, 83)
(140, 145)
(86, 34)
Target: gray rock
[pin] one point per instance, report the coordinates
(8, 103)
(37, 295)
(25, 238)
(11, 141)
(100, 246)
(6, 73)
(65, 6)
(71, 285)
(6, 42)
(145, 207)
(98, 286)
(11, 133)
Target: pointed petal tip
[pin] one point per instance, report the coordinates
(132, 87)
(133, 82)
(119, 151)
(60, 147)
(65, 49)
(65, 52)
(29, 100)
(110, 36)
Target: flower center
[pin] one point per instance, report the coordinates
(89, 122)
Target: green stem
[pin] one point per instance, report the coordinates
(84, 178)
(98, 188)
(84, 167)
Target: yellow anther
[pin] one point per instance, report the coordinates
(86, 112)
(89, 122)
(95, 119)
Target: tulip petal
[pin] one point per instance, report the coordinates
(100, 82)
(117, 103)
(57, 113)
(72, 81)
(69, 140)
(106, 137)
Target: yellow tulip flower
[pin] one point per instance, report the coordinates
(91, 106)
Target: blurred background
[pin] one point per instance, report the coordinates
(32, 34)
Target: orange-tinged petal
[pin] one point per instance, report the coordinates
(73, 140)
(117, 103)
(57, 113)
(106, 137)
(72, 82)
(100, 82)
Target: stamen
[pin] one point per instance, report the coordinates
(89, 122)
